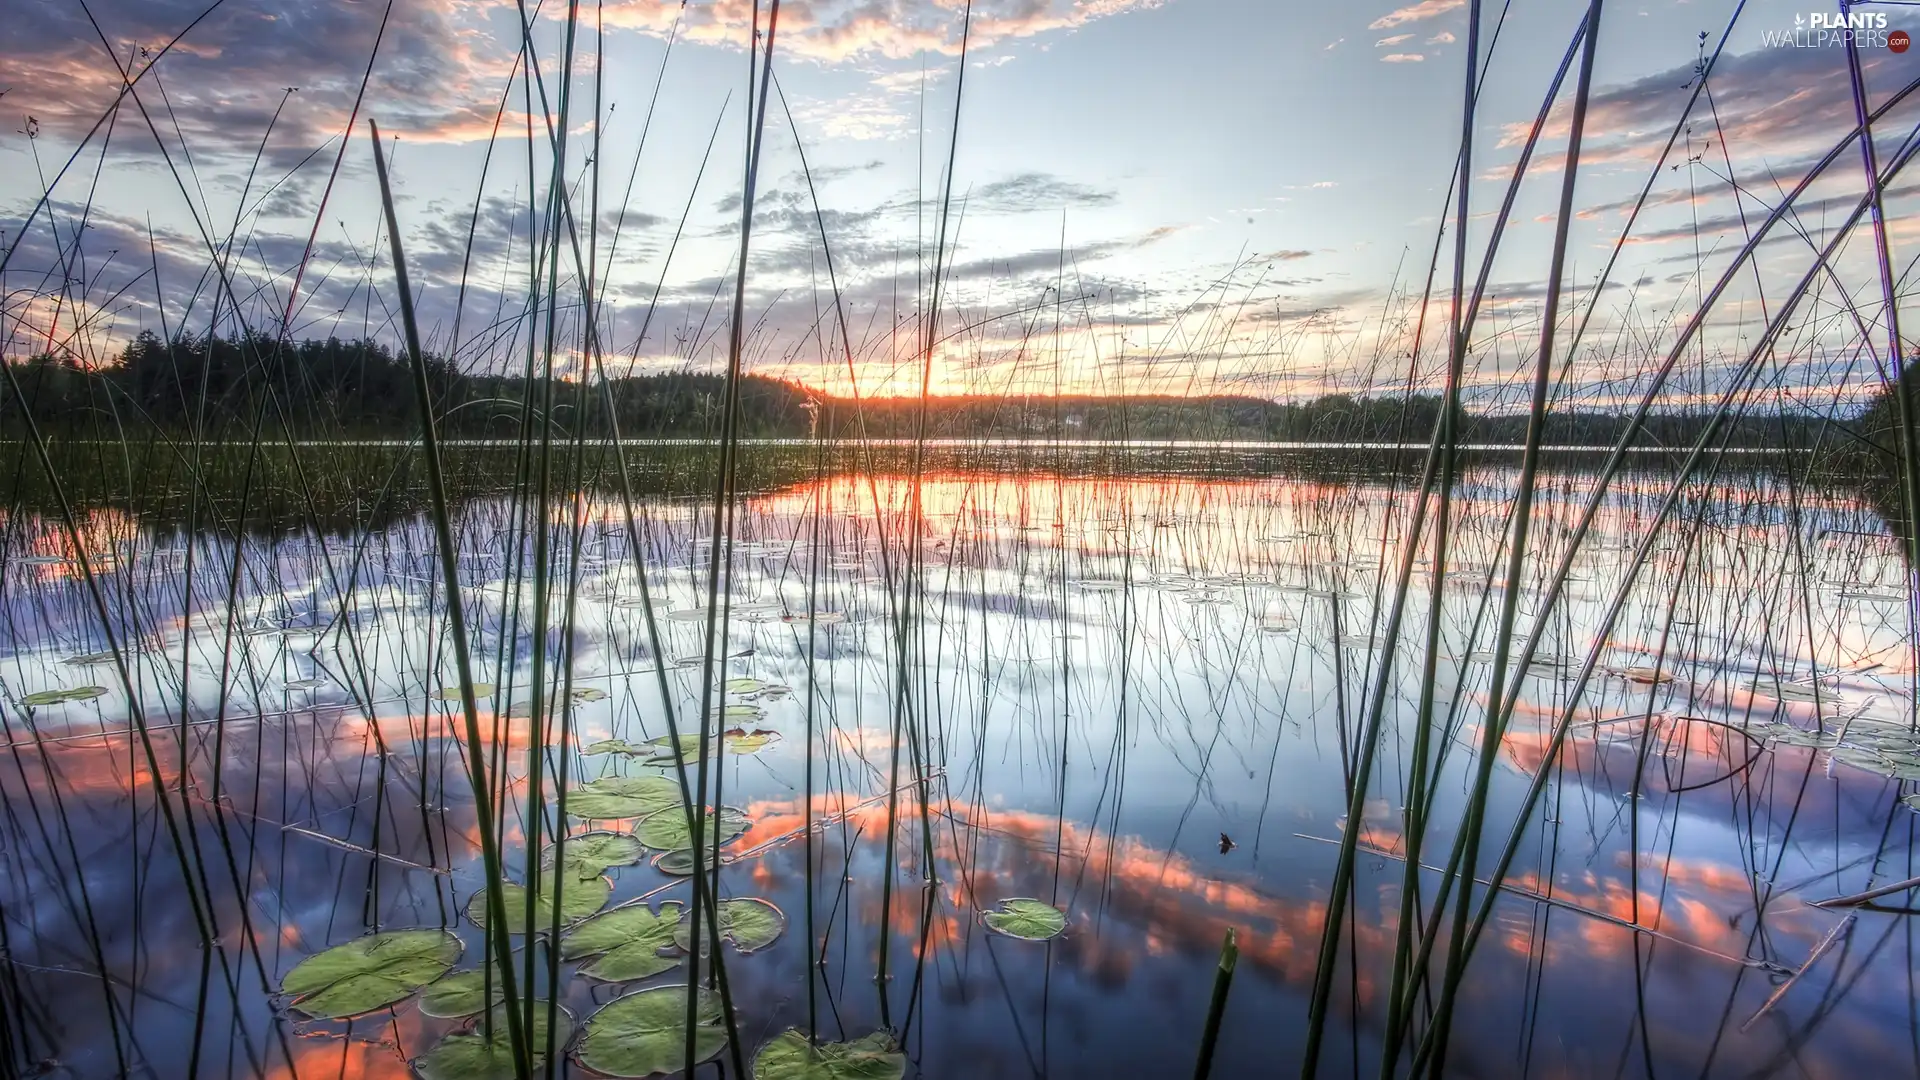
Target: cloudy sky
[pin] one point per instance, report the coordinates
(1166, 195)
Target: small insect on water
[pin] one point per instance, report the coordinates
(1226, 843)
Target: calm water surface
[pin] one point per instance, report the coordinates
(1136, 699)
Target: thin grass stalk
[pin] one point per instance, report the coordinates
(1904, 430)
(543, 525)
(916, 514)
(496, 930)
(1564, 723)
(1217, 1007)
(1521, 521)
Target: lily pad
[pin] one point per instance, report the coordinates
(471, 1055)
(1645, 674)
(791, 1057)
(745, 686)
(749, 924)
(589, 693)
(668, 831)
(461, 993)
(56, 697)
(369, 972)
(89, 659)
(623, 797)
(590, 854)
(452, 693)
(644, 1032)
(741, 741)
(675, 863)
(1788, 691)
(578, 899)
(618, 746)
(1029, 920)
(626, 941)
(743, 712)
(663, 749)
(306, 684)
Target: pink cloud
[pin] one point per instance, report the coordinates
(1425, 9)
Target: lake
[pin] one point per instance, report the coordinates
(1138, 696)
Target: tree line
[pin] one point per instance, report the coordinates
(217, 388)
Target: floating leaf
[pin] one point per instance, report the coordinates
(745, 686)
(578, 899)
(589, 693)
(663, 748)
(306, 684)
(471, 1055)
(1787, 691)
(743, 712)
(618, 746)
(667, 830)
(89, 659)
(55, 697)
(1645, 675)
(791, 1057)
(749, 924)
(675, 863)
(462, 993)
(623, 797)
(741, 741)
(1029, 920)
(589, 854)
(627, 942)
(370, 972)
(452, 693)
(1912, 801)
(644, 1032)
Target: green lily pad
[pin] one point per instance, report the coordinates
(471, 1055)
(1912, 801)
(748, 923)
(589, 693)
(369, 972)
(663, 749)
(668, 830)
(89, 659)
(644, 1032)
(1029, 920)
(1787, 691)
(590, 854)
(742, 712)
(56, 697)
(1645, 674)
(741, 741)
(626, 941)
(462, 993)
(791, 1057)
(745, 686)
(623, 797)
(618, 746)
(452, 693)
(675, 863)
(578, 899)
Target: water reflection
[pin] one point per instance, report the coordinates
(1107, 675)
